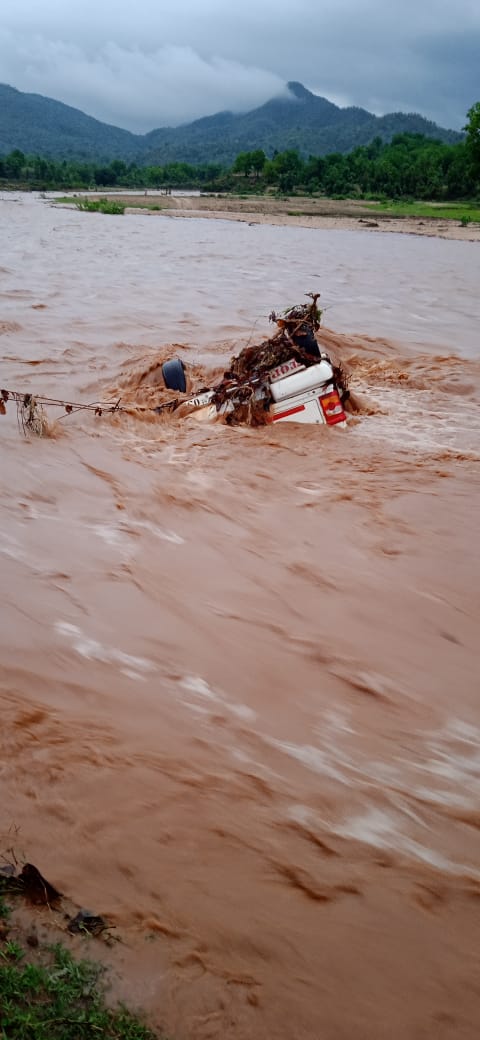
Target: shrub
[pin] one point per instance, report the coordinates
(100, 206)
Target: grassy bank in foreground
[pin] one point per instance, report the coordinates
(46, 994)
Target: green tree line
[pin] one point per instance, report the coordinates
(410, 166)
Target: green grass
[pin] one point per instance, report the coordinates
(46, 994)
(93, 206)
(100, 206)
(105, 205)
(465, 212)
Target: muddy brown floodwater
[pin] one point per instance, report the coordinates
(240, 668)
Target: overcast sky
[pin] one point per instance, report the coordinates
(146, 63)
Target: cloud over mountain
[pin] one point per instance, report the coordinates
(149, 64)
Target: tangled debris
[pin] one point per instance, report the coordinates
(85, 921)
(32, 416)
(295, 339)
(29, 884)
(31, 411)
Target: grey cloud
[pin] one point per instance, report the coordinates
(134, 89)
(148, 65)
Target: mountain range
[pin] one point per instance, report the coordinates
(297, 119)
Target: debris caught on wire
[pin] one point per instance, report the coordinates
(249, 392)
(32, 416)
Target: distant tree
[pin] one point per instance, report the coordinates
(250, 163)
(336, 175)
(288, 168)
(104, 176)
(257, 162)
(14, 164)
(374, 148)
(178, 173)
(458, 172)
(241, 164)
(473, 136)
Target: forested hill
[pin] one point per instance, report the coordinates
(42, 126)
(297, 120)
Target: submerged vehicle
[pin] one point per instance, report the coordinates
(290, 392)
(287, 378)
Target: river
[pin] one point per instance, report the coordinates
(240, 679)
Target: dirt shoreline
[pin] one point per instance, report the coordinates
(321, 214)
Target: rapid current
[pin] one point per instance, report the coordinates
(240, 679)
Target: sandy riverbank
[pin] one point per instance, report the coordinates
(327, 214)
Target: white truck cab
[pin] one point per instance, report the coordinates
(292, 393)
